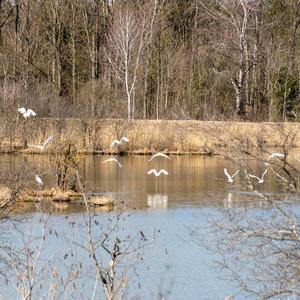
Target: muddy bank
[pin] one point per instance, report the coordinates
(53, 198)
(145, 136)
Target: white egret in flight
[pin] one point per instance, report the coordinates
(42, 147)
(120, 142)
(260, 180)
(275, 154)
(159, 154)
(113, 159)
(230, 178)
(26, 112)
(162, 171)
(39, 180)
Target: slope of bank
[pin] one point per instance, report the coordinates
(145, 136)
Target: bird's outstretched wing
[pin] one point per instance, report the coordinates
(30, 112)
(227, 174)
(124, 139)
(237, 172)
(37, 146)
(163, 171)
(276, 154)
(22, 110)
(113, 159)
(159, 154)
(115, 142)
(50, 138)
(253, 176)
(264, 173)
(152, 171)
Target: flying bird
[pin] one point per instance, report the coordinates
(113, 159)
(120, 142)
(162, 171)
(260, 180)
(26, 112)
(39, 180)
(43, 146)
(159, 154)
(230, 178)
(276, 154)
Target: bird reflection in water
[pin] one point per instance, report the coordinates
(228, 199)
(157, 201)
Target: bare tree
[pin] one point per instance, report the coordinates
(127, 41)
(234, 16)
(114, 255)
(259, 248)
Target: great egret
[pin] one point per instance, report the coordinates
(230, 178)
(120, 142)
(113, 159)
(159, 154)
(260, 180)
(39, 180)
(276, 154)
(162, 171)
(26, 112)
(42, 147)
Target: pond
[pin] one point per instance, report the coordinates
(168, 264)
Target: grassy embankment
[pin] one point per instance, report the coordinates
(145, 136)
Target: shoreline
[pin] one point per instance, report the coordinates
(182, 137)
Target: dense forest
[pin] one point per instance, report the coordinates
(154, 59)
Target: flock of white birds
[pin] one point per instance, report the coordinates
(26, 113)
(259, 179)
(123, 140)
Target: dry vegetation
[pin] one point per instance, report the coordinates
(95, 136)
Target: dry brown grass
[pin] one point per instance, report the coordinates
(146, 136)
(101, 201)
(5, 194)
(53, 194)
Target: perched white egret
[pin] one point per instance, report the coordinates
(113, 159)
(120, 142)
(26, 112)
(261, 179)
(43, 146)
(162, 171)
(230, 178)
(159, 154)
(39, 180)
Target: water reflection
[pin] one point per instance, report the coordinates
(192, 180)
(228, 200)
(157, 201)
(193, 189)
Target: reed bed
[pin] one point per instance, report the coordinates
(145, 136)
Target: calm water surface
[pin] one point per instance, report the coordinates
(164, 207)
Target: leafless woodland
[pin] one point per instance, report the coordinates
(192, 59)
